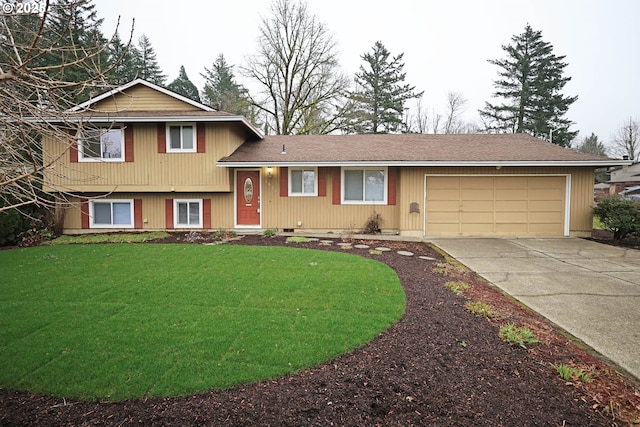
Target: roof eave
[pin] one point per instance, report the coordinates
(428, 163)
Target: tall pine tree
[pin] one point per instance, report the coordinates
(147, 63)
(183, 86)
(124, 59)
(221, 90)
(530, 87)
(381, 93)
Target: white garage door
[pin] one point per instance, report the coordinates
(495, 205)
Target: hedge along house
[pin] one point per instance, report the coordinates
(162, 162)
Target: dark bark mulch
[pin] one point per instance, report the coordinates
(440, 365)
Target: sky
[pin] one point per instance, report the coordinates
(446, 44)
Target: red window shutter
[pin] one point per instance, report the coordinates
(162, 138)
(392, 185)
(168, 212)
(206, 213)
(200, 137)
(128, 143)
(335, 185)
(284, 182)
(73, 146)
(137, 213)
(322, 182)
(84, 213)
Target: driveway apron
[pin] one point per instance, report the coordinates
(589, 289)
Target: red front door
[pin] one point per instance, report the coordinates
(248, 197)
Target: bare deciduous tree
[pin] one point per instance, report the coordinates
(455, 106)
(297, 68)
(626, 141)
(35, 99)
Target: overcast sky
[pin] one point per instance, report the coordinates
(446, 44)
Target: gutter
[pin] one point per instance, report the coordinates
(430, 163)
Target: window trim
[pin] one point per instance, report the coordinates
(194, 136)
(200, 213)
(302, 193)
(81, 139)
(385, 189)
(92, 217)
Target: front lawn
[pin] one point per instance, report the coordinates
(120, 321)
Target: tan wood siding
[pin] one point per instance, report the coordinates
(151, 171)
(317, 213)
(142, 98)
(152, 208)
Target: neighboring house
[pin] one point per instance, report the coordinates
(624, 178)
(163, 162)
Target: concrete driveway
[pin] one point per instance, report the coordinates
(589, 289)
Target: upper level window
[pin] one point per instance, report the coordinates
(364, 185)
(101, 144)
(111, 214)
(181, 138)
(303, 182)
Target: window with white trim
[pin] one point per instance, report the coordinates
(187, 213)
(181, 138)
(303, 181)
(101, 144)
(364, 185)
(107, 213)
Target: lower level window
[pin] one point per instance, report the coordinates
(366, 185)
(111, 213)
(188, 213)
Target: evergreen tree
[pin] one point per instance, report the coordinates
(147, 63)
(124, 59)
(75, 25)
(381, 93)
(530, 84)
(591, 145)
(183, 86)
(221, 90)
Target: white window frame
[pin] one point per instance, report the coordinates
(302, 193)
(81, 145)
(175, 213)
(92, 215)
(181, 150)
(384, 200)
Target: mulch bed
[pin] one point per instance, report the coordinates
(440, 365)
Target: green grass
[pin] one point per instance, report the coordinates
(120, 321)
(108, 238)
(517, 336)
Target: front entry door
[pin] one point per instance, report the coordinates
(248, 198)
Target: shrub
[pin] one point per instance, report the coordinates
(568, 373)
(373, 224)
(269, 233)
(618, 215)
(12, 224)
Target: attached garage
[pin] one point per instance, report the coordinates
(496, 205)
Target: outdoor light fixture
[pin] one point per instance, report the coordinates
(269, 171)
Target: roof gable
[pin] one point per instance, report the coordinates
(140, 95)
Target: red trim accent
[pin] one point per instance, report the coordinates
(284, 182)
(322, 182)
(162, 138)
(200, 137)
(84, 213)
(128, 143)
(168, 213)
(335, 185)
(206, 213)
(392, 185)
(137, 213)
(73, 146)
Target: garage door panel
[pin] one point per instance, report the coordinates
(495, 205)
(511, 194)
(477, 205)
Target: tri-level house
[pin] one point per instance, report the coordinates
(154, 160)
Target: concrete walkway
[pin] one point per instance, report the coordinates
(589, 289)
